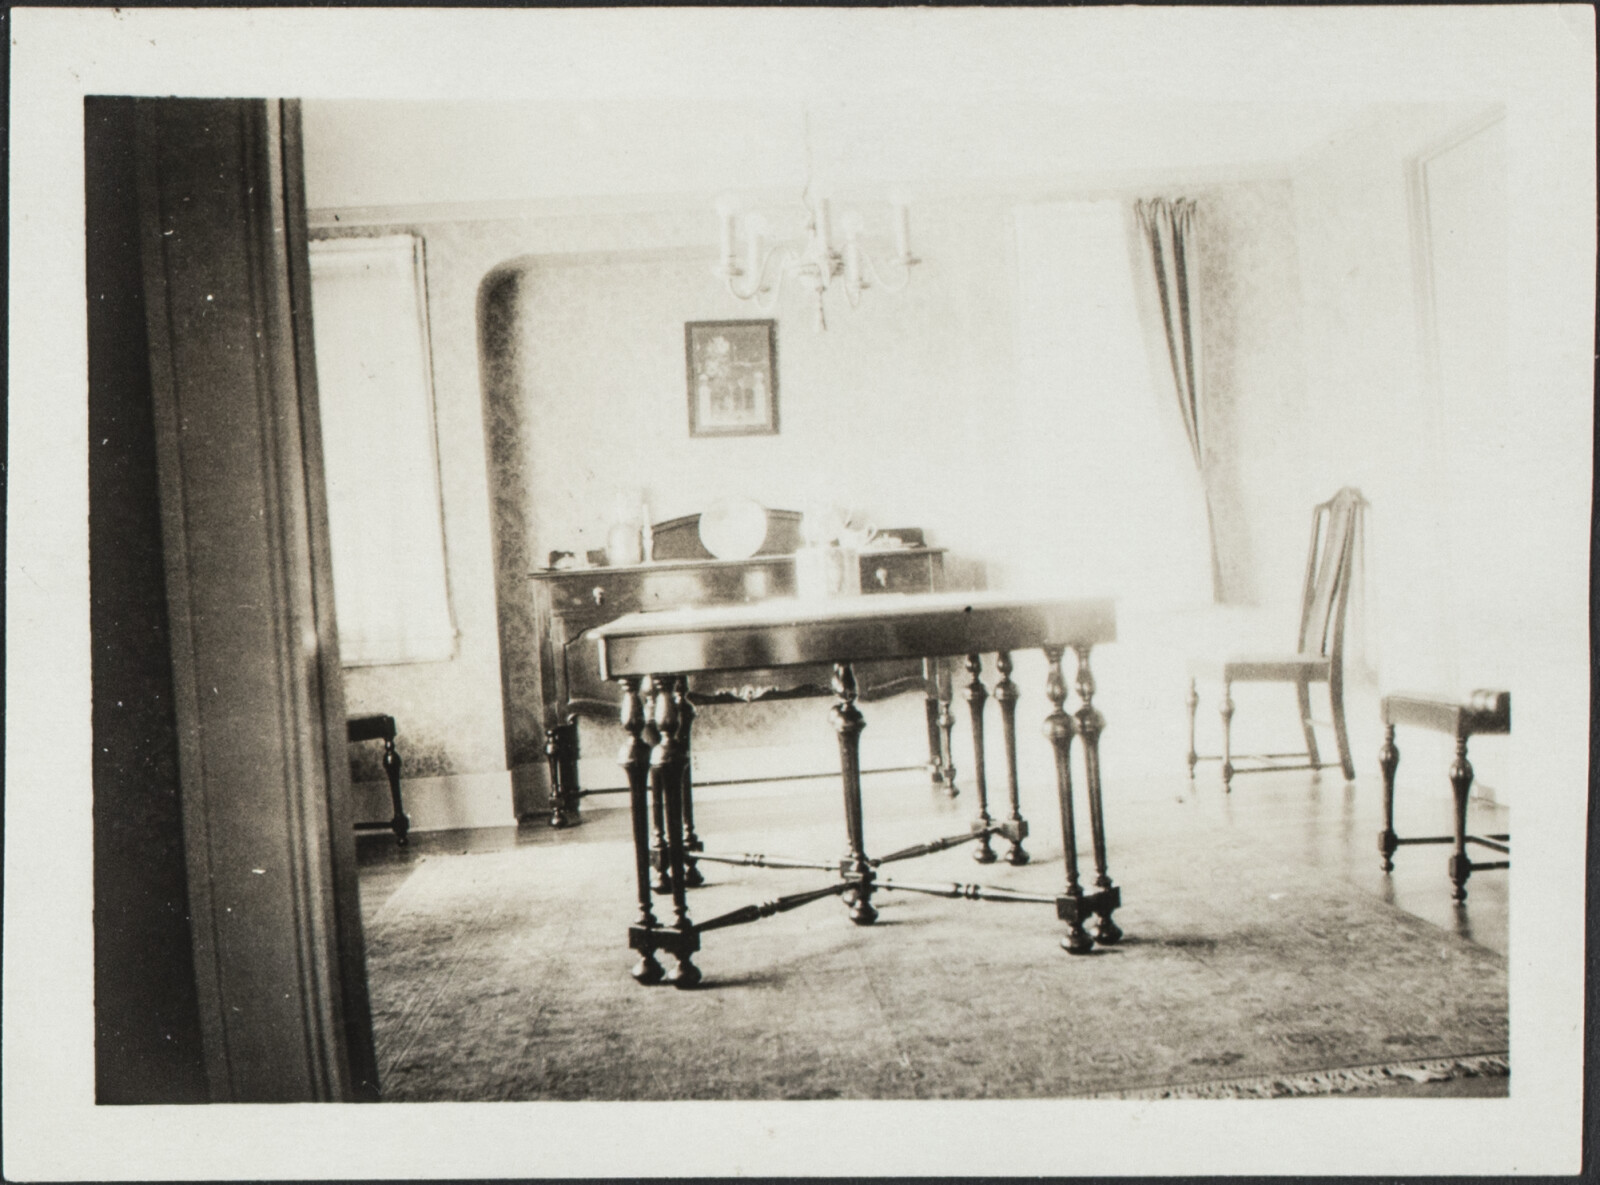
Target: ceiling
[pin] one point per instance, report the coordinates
(362, 153)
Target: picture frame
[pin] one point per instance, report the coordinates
(732, 376)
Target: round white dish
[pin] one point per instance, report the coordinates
(733, 528)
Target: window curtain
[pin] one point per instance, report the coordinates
(375, 395)
(1167, 229)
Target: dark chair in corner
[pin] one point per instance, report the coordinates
(381, 728)
(1481, 712)
(1319, 654)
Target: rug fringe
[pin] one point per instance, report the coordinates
(1320, 1082)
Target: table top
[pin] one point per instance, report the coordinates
(786, 557)
(790, 632)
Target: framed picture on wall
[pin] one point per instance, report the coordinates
(733, 377)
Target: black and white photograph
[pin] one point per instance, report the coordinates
(1084, 736)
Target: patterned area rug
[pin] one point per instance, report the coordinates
(504, 976)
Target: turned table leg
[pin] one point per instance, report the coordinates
(1059, 727)
(930, 707)
(848, 723)
(1090, 725)
(976, 696)
(666, 778)
(658, 818)
(634, 758)
(691, 842)
(1005, 694)
(947, 724)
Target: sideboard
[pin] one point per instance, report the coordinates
(566, 603)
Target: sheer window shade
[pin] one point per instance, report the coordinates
(375, 385)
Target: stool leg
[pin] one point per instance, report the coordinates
(1460, 783)
(1227, 735)
(1193, 702)
(401, 823)
(1388, 762)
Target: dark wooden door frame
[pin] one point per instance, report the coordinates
(278, 951)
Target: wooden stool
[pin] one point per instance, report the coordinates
(1481, 712)
(381, 728)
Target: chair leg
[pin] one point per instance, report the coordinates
(1227, 736)
(1303, 689)
(1194, 702)
(1336, 700)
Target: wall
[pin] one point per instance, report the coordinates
(1252, 374)
(451, 737)
(1369, 415)
(906, 408)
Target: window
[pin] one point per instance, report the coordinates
(375, 391)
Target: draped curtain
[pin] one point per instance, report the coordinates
(1167, 231)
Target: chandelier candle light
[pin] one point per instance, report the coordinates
(815, 264)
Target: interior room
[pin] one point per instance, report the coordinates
(513, 523)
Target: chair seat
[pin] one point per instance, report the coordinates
(1480, 712)
(370, 728)
(1285, 668)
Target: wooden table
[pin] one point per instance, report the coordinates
(568, 603)
(652, 655)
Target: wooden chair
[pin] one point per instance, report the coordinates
(382, 728)
(1319, 649)
(1481, 712)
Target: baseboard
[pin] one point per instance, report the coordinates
(444, 803)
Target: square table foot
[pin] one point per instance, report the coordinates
(1076, 910)
(680, 944)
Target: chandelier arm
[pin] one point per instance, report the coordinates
(756, 287)
(870, 266)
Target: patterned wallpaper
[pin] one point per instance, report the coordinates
(559, 382)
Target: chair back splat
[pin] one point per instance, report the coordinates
(1335, 530)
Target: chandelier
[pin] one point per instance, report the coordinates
(817, 262)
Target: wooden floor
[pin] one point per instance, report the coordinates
(1325, 823)
(1318, 826)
